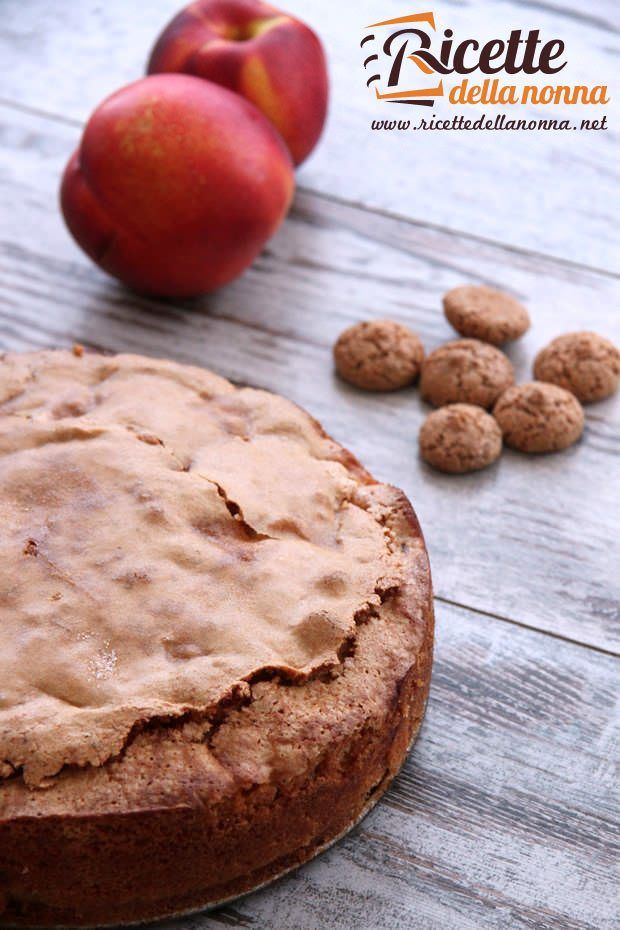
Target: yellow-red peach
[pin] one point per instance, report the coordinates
(268, 57)
(176, 185)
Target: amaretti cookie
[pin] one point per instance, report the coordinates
(465, 371)
(459, 438)
(215, 638)
(539, 417)
(586, 364)
(485, 313)
(379, 355)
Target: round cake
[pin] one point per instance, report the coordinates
(215, 638)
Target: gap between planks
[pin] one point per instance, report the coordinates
(353, 204)
(525, 626)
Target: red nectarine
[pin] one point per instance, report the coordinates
(176, 185)
(272, 59)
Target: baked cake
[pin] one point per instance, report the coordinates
(215, 638)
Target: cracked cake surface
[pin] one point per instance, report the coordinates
(200, 594)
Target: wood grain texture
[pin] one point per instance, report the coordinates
(503, 817)
(553, 192)
(530, 539)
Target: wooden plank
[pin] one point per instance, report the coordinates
(557, 193)
(530, 539)
(503, 816)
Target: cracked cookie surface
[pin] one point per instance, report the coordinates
(466, 371)
(482, 312)
(459, 438)
(539, 417)
(586, 364)
(379, 355)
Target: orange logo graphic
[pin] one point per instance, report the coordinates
(393, 50)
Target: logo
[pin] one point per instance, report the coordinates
(391, 54)
(407, 61)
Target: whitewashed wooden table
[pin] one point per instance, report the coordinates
(505, 815)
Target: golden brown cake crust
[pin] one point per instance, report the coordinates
(584, 363)
(482, 312)
(459, 438)
(379, 355)
(466, 371)
(539, 417)
(287, 744)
